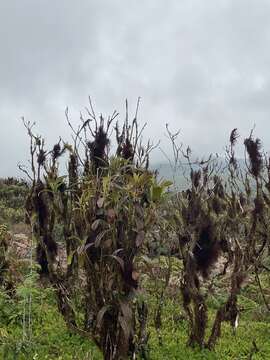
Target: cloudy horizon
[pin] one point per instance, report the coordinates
(201, 66)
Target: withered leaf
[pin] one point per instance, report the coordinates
(95, 224)
(119, 260)
(140, 238)
(111, 215)
(99, 237)
(101, 314)
(135, 275)
(108, 243)
(100, 202)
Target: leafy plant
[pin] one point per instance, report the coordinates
(106, 205)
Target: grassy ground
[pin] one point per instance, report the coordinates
(46, 336)
(49, 338)
(230, 346)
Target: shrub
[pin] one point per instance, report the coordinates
(105, 205)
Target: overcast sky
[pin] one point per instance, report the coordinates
(202, 66)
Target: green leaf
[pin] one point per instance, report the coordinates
(166, 183)
(70, 258)
(156, 192)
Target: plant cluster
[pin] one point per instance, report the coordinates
(110, 236)
(221, 220)
(106, 204)
(13, 193)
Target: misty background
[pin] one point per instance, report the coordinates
(201, 66)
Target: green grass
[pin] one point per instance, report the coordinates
(230, 346)
(51, 340)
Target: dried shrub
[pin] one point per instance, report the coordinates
(105, 205)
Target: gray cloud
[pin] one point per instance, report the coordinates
(201, 66)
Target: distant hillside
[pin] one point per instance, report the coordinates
(165, 171)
